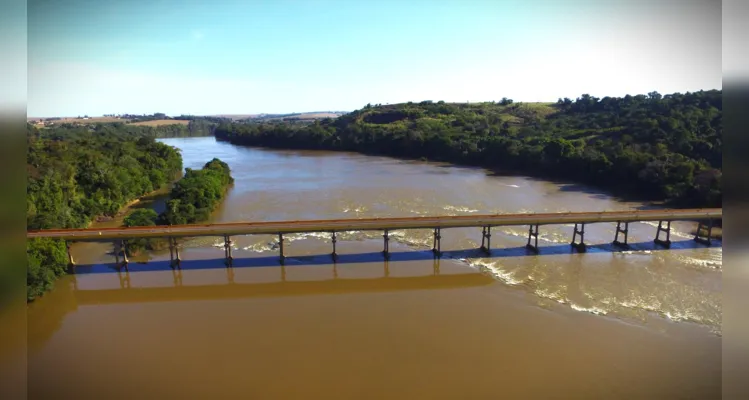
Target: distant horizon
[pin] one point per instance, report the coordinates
(348, 111)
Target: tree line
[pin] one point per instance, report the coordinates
(657, 147)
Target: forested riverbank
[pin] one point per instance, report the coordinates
(76, 174)
(665, 148)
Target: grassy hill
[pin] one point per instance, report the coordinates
(653, 146)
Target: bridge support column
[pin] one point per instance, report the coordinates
(124, 253)
(709, 228)
(486, 236)
(436, 245)
(581, 245)
(174, 251)
(533, 234)
(624, 232)
(386, 250)
(665, 243)
(280, 246)
(71, 262)
(334, 255)
(120, 246)
(227, 249)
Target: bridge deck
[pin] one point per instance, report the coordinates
(364, 224)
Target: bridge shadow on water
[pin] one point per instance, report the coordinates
(394, 256)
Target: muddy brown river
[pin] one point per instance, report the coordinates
(636, 324)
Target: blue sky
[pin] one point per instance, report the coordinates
(235, 57)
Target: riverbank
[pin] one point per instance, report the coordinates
(108, 221)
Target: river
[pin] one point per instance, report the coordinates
(643, 323)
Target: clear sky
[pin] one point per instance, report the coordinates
(241, 57)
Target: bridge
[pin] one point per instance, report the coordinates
(119, 236)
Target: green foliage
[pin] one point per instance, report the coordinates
(47, 260)
(75, 174)
(659, 147)
(197, 194)
(141, 217)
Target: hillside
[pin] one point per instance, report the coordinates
(652, 146)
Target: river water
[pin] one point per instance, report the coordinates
(643, 323)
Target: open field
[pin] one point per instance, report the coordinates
(159, 122)
(300, 116)
(317, 115)
(69, 120)
(235, 117)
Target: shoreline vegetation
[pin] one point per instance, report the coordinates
(655, 148)
(131, 206)
(192, 199)
(76, 175)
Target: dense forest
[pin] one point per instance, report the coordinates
(192, 199)
(655, 147)
(197, 194)
(75, 174)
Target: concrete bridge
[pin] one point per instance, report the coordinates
(705, 217)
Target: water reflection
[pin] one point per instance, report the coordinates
(68, 297)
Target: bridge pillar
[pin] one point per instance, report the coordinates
(665, 243)
(123, 245)
(624, 231)
(119, 246)
(174, 246)
(227, 249)
(707, 239)
(486, 235)
(533, 233)
(581, 245)
(386, 250)
(334, 255)
(280, 246)
(436, 245)
(71, 262)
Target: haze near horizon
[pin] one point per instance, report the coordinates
(231, 57)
